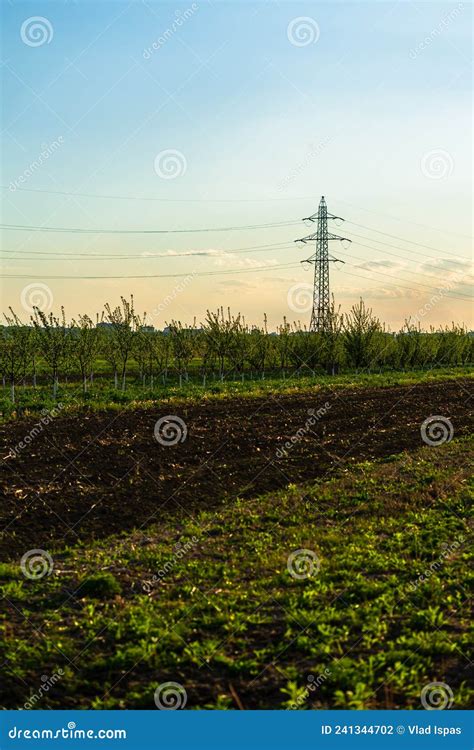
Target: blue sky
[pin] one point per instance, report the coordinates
(373, 112)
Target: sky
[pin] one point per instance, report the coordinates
(133, 118)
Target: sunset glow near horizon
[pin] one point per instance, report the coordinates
(214, 115)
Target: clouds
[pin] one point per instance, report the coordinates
(183, 254)
(392, 292)
(235, 284)
(441, 266)
(435, 273)
(373, 265)
(231, 260)
(379, 292)
(222, 258)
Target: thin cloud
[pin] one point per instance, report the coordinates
(370, 265)
(443, 266)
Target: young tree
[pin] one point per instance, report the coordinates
(258, 347)
(305, 348)
(142, 349)
(53, 341)
(453, 345)
(84, 346)
(160, 349)
(331, 341)
(360, 335)
(223, 339)
(108, 350)
(239, 346)
(151, 350)
(203, 350)
(123, 325)
(16, 350)
(283, 345)
(183, 341)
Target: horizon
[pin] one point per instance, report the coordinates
(148, 320)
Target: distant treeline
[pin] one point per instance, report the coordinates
(223, 346)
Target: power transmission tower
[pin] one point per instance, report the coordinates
(320, 318)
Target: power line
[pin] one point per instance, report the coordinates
(397, 247)
(418, 283)
(405, 221)
(395, 237)
(152, 198)
(73, 194)
(263, 248)
(77, 230)
(207, 253)
(386, 252)
(396, 286)
(156, 276)
(187, 254)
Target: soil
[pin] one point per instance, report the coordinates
(90, 475)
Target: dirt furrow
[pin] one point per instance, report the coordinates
(95, 474)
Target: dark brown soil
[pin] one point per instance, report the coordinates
(94, 474)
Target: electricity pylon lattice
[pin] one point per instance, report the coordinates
(320, 315)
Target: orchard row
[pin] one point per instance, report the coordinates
(222, 346)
